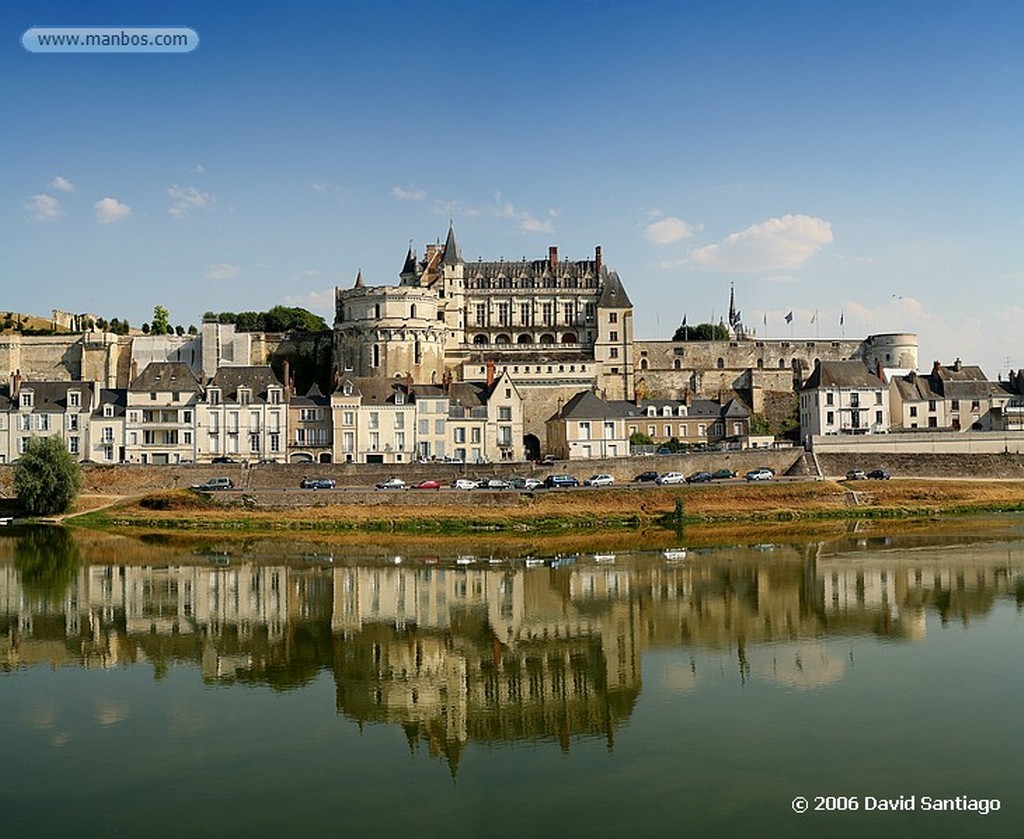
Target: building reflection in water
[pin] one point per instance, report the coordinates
(492, 652)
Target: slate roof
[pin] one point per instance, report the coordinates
(118, 397)
(588, 405)
(313, 396)
(376, 391)
(613, 295)
(915, 388)
(850, 374)
(258, 379)
(50, 397)
(166, 376)
(452, 254)
(967, 382)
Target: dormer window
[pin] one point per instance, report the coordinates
(275, 396)
(666, 411)
(244, 396)
(26, 399)
(74, 399)
(652, 411)
(399, 398)
(213, 395)
(346, 388)
(108, 410)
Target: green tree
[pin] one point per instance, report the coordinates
(161, 321)
(638, 438)
(701, 332)
(46, 477)
(145, 329)
(192, 329)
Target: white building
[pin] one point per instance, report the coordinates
(843, 397)
(242, 415)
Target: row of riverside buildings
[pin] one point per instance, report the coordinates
(474, 361)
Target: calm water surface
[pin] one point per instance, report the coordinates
(283, 689)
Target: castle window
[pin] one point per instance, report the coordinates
(412, 310)
(720, 364)
(677, 364)
(643, 363)
(376, 355)
(569, 338)
(782, 363)
(376, 311)
(480, 339)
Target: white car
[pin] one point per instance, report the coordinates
(392, 483)
(464, 483)
(759, 475)
(671, 478)
(599, 481)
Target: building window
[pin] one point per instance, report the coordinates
(975, 406)
(374, 419)
(152, 397)
(439, 426)
(73, 445)
(505, 413)
(613, 336)
(400, 420)
(931, 405)
(474, 435)
(829, 398)
(613, 352)
(275, 442)
(830, 418)
(74, 399)
(913, 410)
(376, 355)
(72, 422)
(460, 434)
(584, 430)
(108, 410)
(348, 418)
(214, 396)
(424, 426)
(613, 317)
(933, 422)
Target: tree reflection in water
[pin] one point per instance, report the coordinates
(47, 560)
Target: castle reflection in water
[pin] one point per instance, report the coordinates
(482, 651)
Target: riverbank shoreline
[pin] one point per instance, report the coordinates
(553, 512)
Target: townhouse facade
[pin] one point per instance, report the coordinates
(242, 414)
(843, 397)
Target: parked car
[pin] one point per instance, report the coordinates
(317, 483)
(879, 475)
(723, 474)
(645, 478)
(699, 478)
(222, 459)
(671, 478)
(856, 475)
(560, 481)
(526, 483)
(464, 483)
(429, 483)
(759, 475)
(495, 483)
(548, 460)
(599, 481)
(214, 484)
(392, 483)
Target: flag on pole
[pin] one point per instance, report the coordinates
(789, 318)
(765, 318)
(684, 320)
(840, 318)
(814, 317)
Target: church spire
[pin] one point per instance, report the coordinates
(408, 275)
(733, 314)
(359, 280)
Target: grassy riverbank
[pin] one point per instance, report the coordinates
(560, 512)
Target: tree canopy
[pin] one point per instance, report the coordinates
(701, 332)
(275, 319)
(46, 477)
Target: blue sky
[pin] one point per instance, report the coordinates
(863, 159)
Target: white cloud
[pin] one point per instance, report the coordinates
(320, 186)
(63, 184)
(668, 230)
(318, 302)
(44, 207)
(775, 244)
(222, 271)
(185, 199)
(311, 272)
(110, 210)
(200, 168)
(413, 193)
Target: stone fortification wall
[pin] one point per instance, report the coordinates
(939, 442)
(49, 358)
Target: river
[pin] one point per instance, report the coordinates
(160, 688)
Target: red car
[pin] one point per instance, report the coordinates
(428, 484)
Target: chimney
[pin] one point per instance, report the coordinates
(430, 252)
(490, 373)
(409, 390)
(135, 370)
(16, 384)
(597, 258)
(687, 396)
(553, 257)
(446, 382)
(287, 380)
(935, 368)
(957, 365)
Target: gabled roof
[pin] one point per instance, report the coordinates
(257, 379)
(915, 388)
(410, 262)
(841, 374)
(964, 381)
(375, 391)
(166, 375)
(613, 295)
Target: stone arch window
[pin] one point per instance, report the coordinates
(760, 364)
(547, 338)
(569, 338)
(502, 339)
(782, 364)
(524, 338)
(677, 364)
(376, 355)
(643, 363)
(376, 311)
(720, 364)
(480, 339)
(412, 310)
(666, 411)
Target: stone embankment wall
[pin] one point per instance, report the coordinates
(983, 466)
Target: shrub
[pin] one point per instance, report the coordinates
(46, 477)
